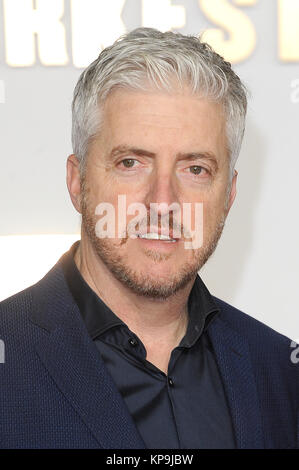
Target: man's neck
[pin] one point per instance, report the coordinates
(160, 324)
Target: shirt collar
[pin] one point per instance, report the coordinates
(99, 318)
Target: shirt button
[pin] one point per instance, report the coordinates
(170, 381)
(133, 342)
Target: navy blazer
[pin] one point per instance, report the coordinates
(57, 393)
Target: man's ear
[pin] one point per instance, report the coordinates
(233, 192)
(73, 181)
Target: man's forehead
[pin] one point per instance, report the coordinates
(187, 112)
(140, 120)
(158, 103)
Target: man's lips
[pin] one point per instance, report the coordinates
(159, 233)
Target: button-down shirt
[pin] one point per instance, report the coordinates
(183, 409)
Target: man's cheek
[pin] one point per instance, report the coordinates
(193, 225)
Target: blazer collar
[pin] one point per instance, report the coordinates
(72, 359)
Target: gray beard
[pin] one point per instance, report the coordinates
(143, 284)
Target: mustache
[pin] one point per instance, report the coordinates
(159, 221)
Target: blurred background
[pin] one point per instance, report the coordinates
(44, 46)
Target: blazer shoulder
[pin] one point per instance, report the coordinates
(254, 329)
(45, 290)
(15, 309)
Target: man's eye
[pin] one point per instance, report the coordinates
(196, 170)
(128, 162)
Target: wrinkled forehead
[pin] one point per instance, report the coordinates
(126, 110)
(154, 118)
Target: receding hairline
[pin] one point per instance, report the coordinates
(198, 151)
(146, 53)
(151, 90)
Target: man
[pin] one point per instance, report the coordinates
(121, 345)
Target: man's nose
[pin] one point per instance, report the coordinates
(162, 189)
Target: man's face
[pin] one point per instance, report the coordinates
(156, 147)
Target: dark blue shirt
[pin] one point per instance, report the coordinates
(185, 409)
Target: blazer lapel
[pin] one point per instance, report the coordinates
(72, 359)
(233, 358)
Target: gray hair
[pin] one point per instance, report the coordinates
(147, 57)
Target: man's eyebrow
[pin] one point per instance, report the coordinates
(199, 156)
(125, 149)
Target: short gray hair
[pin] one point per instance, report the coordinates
(147, 57)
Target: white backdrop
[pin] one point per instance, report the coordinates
(256, 264)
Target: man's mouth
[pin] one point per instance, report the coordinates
(157, 236)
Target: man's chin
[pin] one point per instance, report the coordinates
(149, 272)
(153, 290)
(153, 283)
